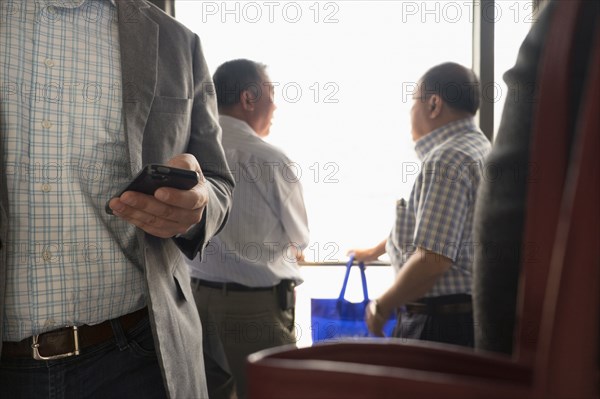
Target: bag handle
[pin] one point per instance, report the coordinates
(361, 266)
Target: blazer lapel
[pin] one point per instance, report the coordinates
(138, 36)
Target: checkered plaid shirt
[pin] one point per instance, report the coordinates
(439, 214)
(65, 153)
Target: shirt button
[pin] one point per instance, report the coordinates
(46, 255)
(49, 63)
(46, 124)
(46, 187)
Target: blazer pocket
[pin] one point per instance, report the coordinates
(167, 130)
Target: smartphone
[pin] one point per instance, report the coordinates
(153, 176)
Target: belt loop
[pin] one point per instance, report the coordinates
(120, 336)
(224, 289)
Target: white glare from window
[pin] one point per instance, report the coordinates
(344, 72)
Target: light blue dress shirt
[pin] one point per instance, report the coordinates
(267, 219)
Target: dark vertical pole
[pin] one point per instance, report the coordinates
(483, 60)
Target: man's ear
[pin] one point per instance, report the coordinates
(247, 100)
(435, 104)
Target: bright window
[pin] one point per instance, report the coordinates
(345, 72)
(512, 23)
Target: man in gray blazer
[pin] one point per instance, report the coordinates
(91, 304)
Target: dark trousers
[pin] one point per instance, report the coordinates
(124, 367)
(438, 323)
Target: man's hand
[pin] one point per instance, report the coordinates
(367, 255)
(415, 279)
(170, 211)
(376, 317)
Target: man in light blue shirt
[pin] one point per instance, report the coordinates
(431, 243)
(244, 285)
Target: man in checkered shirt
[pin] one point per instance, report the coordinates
(431, 245)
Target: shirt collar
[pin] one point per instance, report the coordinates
(438, 136)
(235, 123)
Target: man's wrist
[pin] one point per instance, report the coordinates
(378, 310)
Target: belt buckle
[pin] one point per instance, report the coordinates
(36, 353)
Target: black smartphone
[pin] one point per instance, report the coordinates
(153, 176)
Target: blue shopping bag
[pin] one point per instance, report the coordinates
(338, 318)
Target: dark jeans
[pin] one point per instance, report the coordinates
(124, 367)
(449, 328)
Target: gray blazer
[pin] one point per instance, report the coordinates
(169, 108)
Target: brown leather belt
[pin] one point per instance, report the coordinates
(68, 341)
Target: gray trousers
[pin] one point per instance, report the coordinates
(236, 324)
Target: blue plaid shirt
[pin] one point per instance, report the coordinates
(65, 154)
(439, 214)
